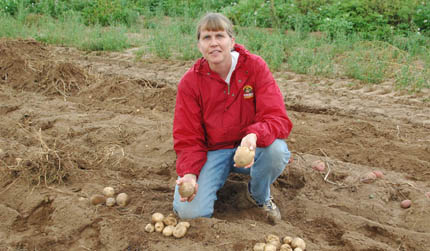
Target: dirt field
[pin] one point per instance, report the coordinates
(74, 122)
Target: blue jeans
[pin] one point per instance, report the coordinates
(269, 164)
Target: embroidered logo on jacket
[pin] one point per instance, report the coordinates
(248, 92)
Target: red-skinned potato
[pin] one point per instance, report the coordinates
(378, 174)
(368, 177)
(406, 203)
(318, 165)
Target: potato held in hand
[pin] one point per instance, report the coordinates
(243, 156)
(186, 189)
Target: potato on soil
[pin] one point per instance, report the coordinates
(275, 243)
(285, 247)
(368, 177)
(159, 226)
(287, 240)
(318, 165)
(157, 217)
(298, 249)
(110, 202)
(170, 220)
(168, 230)
(298, 243)
(270, 247)
(109, 191)
(97, 199)
(259, 246)
(179, 231)
(122, 199)
(149, 228)
(406, 203)
(185, 223)
(378, 174)
(243, 156)
(271, 237)
(186, 189)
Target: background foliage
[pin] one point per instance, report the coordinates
(369, 40)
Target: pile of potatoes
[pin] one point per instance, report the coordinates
(274, 243)
(108, 197)
(168, 226)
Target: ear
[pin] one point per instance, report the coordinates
(199, 47)
(232, 42)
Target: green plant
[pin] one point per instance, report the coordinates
(109, 12)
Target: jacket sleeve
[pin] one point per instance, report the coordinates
(188, 132)
(271, 119)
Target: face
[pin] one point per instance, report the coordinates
(215, 47)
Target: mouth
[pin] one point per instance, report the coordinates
(215, 52)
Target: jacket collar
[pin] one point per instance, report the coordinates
(202, 65)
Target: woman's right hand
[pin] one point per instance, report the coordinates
(191, 178)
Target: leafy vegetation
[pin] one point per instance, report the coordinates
(368, 40)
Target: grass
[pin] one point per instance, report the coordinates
(405, 59)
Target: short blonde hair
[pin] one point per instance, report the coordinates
(214, 22)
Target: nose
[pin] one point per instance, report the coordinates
(213, 42)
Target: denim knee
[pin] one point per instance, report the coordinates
(278, 153)
(198, 207)
(189, 210)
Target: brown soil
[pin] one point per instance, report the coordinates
(74, 122)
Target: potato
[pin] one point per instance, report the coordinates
(368, 177)
(168, 231)
(159, 226)
(378, 174)
(298, 249)
(122, 199)
(287, 240)
(97, 199)
(170, 220)
(270, 247)
(406, 204)
(110, 202)
(271, 237)
(259, 246)
(285, 247)
(109, 191)
(243, 156)
(275, 243)
(157, 217)
(318, 165)
(298, 243)
(186, 189)
(149, 228)
(179, 231)
(185, 223)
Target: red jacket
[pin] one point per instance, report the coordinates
(209, 115)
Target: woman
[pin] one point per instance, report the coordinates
(228, 98)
